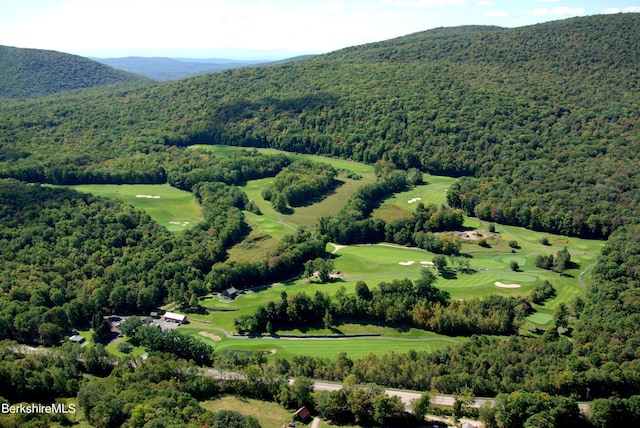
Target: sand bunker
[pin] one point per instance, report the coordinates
(148, 196)
(503, 285)
(411, 201)
(426, 263)
(409, 263)
(210, 336)
(179, 223)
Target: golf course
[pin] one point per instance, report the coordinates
(479, 270)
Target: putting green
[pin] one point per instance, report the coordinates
(517, 277)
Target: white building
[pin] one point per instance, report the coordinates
(173, 317)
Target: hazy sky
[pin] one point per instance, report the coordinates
(200, 27)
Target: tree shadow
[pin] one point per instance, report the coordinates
(448, 274)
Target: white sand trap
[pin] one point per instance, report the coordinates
(411, 201)
(408, 263)
(211, 336)
(426, 263)
(179, 223)
(148, 196)
(503, 285)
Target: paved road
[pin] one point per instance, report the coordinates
(408, 396)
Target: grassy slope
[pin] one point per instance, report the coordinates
(268, 414)
(173, 205)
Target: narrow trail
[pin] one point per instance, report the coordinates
(581, 280)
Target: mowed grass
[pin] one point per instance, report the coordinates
(268, 414)
(354, 347)
(174, 209)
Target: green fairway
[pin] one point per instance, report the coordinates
(360, 168)
(172, 208)
(433, 191)
(325, 347)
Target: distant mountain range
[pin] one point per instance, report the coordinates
(164, 69)
(28, 73)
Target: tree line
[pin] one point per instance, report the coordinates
(299, 184)
(400, 303)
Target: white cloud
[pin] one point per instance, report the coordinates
(366, 6)
(421, 3)
(556, 11)
(621, 10)
(333, 7)
(496, 13)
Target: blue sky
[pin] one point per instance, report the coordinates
(204, 28)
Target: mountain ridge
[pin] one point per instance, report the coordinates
(28, 73)
(167, 69)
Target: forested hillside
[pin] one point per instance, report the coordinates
(542, 119)
(28, 73)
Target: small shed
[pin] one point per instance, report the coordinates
(231, 293)
(173, 317)
(154, 315)
(76, 338)
(303, 414)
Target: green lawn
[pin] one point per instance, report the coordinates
(172, 208)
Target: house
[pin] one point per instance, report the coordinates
(76, 338)
(231, 293)
(173, 317)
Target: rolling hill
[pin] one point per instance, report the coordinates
(541, 120)
(28, 73)
(164, 69)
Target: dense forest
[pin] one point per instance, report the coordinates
(29, 73)
(540, 123)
